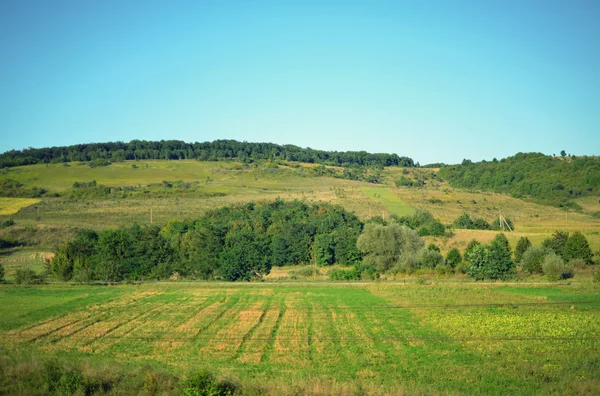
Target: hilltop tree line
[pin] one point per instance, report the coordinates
(529, 175)
(206, 151)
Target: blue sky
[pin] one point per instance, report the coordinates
(433, 80)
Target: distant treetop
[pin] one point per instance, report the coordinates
(207, 151)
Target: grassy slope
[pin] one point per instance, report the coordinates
(241, 183)
(324, 338)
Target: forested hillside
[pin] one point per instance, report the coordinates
(207, 151)
(529, 175)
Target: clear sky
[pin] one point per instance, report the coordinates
(433, 80)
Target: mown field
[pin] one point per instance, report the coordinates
(52, 219)
(323, 338)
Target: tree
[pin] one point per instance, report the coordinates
(246, 255)
(62, 264)
(557, 242)
(563, 153)
(383, 245)
(324, 249)
(490, 261)
(1, 273)
(502, 240)
(522, 246)
(577, 247)
(453, 258)
(533, 258)
(472, 243)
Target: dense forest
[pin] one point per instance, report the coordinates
(239, 242)
(529, 175)
(207, 151)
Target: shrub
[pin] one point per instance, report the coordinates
(429, 258)
(27, 276)
(204, 383)
(7, 223)
(555, 269)
(344, 275)
(497, 226)
(453, 258)
(597, 276)
(578, 264)
(1, 273)
(533, 258)
(577, 247)
(305, 272)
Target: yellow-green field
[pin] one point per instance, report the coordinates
(9, 206)
(377, 338)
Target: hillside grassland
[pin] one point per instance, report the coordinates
(324, 338)
(217, 184)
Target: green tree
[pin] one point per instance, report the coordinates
(246, 255)
(383, 245)
(557, 242)
(563, 153)
(522, 246)
(324, 249)
(577, 247)
(472, 243)
(453, 258)
(61, 265)
(533, 258)
(490, 261)
(503, 241)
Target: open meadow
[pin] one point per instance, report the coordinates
(326, 338)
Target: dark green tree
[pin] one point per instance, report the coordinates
(577, 247)
(557, 242)
(522, 246)
(453, 258)
(502, 240)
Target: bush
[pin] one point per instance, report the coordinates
(555, 269)
(533, 258)
(344, 275)
(27, 276)
(1, 273)
(305, 272)
(204, 383)
(497, 226)
(453, 258)
(7, 223)
(429, 258)
(597, 276)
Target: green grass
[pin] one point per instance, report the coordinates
(378, 338)
(386, 197)
(13, 259)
